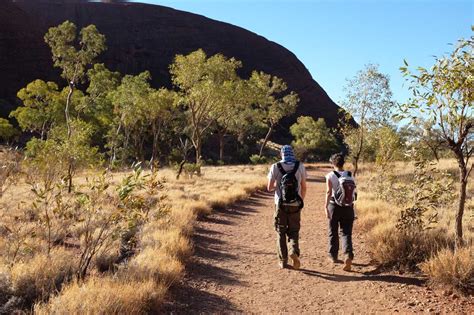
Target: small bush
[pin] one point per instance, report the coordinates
(405, 249)
(105, 296)
(256, 159)
(43, 275)
(454, 269)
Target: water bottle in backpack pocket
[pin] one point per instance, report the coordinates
(345, 193)
(290, 198)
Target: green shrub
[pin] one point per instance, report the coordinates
(256, 159)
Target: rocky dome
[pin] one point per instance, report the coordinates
(144, 37)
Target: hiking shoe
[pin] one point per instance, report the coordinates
(296, 261)
(282, 264)
(333, 259)
(347, 264)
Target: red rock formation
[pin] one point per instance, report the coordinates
(144, 37)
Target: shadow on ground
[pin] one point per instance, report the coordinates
(191, 295)
(364, 277)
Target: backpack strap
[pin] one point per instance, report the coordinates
(349, 173)
(337, 174)
(295, 169)
(281, 168)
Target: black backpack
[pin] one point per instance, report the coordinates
(289, 186)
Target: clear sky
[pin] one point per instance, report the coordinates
(335, 39)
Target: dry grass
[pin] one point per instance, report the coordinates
(138, 284)
(43, 275)
(432, 247)
(105, 296)
(455, 269)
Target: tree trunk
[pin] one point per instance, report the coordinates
(69, 176)
(69, 133)
(359, 152)
(114, 147)
(66, 110)
(462, 199)
(267, 136)
(197, 147)
(221, 135)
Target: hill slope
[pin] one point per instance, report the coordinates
(144, 37)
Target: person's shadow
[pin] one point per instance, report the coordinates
(364, 276)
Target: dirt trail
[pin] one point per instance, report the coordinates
(234, 269)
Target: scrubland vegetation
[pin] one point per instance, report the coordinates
(83, 232)
(116, 245)
(408, 212)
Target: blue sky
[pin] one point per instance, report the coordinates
(335, 39)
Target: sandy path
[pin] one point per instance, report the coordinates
(234, 269)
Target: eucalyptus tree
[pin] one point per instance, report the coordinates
(200, 80)
(160, 113)
(73, 55)
(313, 138)
(444, 93)
(368, 101)
(97, 107)
(130, 101)
(41, 109)
(237, 117)
(271, 100)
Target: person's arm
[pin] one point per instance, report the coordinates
(303, 188)
(271, 184)
(271, 180)
(328, 196)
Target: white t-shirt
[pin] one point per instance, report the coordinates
(276, 175)
(334, 180)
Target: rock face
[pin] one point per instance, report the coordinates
(144, 37)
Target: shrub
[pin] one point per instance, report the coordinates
(256, 159)
(43, 275)
(191, 169)
(454, 269)
(105, 296)
(405, 249)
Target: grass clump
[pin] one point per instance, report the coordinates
(405, 249)
(454, 269)
(43, 275)
(105, 296)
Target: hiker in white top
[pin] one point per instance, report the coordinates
(288, 179)
(339, 208)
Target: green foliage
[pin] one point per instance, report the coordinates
(421, 195)
(203, 84)
(272, 104)
(191, 169)
(313, 139)
(73, 54)
(54, 157)
(42, 107)
(257, 159)
(444, 95)
(426, 137)
(369, 101)
(7, 131)
(97, 107)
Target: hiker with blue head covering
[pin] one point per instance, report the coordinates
(288, 179)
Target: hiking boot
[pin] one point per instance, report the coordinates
(296, 261)
(347, 264)
(333, 259)
(282, 264)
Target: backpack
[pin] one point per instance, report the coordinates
(345, 194)
(289, 186)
